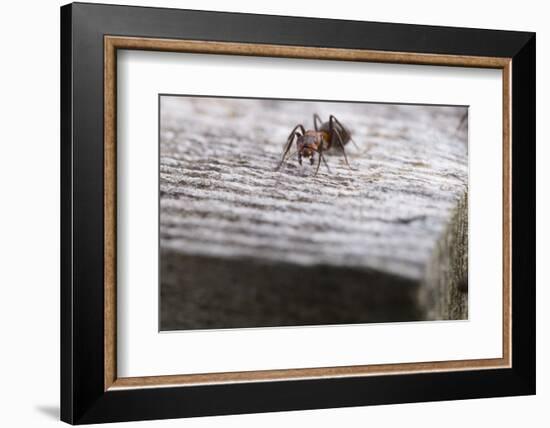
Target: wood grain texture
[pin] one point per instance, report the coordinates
(306, 52)
(109, 198)
(243, 245)
(507, 212)
(297, 374)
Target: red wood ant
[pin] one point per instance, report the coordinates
(325, 136)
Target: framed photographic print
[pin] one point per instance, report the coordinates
(265, 213)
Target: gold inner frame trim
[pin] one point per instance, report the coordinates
(113, 43)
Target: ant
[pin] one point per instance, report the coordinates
(325, 135)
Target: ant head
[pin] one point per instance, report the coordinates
(308, 144)
(307, 152)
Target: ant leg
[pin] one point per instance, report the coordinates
(325, 162)
(287, 148)
(295, 152)
(317, 121)
(354, 143)
(321, 157)
(335, 132)
(337, 122)
(318, 163)
(343, 129)
(298, 128)
(295, 132)
(339, 139)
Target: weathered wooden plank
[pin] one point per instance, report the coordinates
(245, 245)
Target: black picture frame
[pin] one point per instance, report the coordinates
(83, 396)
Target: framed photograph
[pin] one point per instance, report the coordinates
(266, 213)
